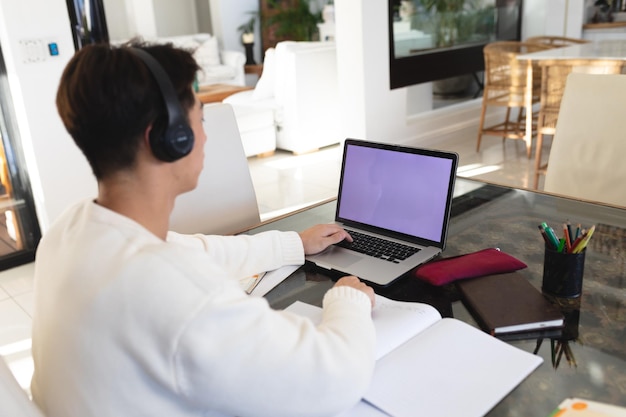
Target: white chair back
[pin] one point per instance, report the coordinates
(224, 202)
(587, 154)
(13, 399)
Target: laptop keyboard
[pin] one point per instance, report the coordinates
(378, 248)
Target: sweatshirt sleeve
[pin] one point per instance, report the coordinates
(244, 255)
(242, 358)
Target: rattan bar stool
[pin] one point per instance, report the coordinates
(554, 74)
(511, 83)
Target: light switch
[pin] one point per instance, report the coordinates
(38, 50)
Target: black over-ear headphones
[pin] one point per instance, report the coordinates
(177, 140)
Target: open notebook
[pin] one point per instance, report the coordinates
(429, 366)
(395, 202)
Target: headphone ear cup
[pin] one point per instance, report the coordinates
(175, 143)
(156, 133)
(176, 139)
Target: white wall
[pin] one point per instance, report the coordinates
(117, 19)
(204, 16)
(58, 172)
(553, 18)
(227, 16)
(141, 18)
(175, 17)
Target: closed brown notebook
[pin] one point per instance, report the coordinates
(508, 303)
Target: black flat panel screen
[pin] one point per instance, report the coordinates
(435, 39)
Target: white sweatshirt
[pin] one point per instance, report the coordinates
(128, 325)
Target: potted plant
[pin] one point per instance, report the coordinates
(247, 30)
(247, 38)
(295, 22)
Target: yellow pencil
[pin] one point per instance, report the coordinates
(583, 242)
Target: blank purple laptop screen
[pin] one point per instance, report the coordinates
(399, 191)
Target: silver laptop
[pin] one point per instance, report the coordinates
(395, 202)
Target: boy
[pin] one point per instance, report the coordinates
(133, 320)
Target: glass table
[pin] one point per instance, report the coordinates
(587, 359)
(604, 49)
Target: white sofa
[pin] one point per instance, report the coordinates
(218, 66)
(299, 85)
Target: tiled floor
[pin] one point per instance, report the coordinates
(16, 296)
(282, 182)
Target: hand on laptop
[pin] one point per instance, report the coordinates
(354, 282)
(317, 238)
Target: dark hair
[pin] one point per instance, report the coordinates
(107, 97)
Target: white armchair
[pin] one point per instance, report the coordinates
(217, 66)
(299, 85)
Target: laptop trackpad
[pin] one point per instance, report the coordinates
(346, 259)
(338, 257)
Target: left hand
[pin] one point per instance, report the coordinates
(317, 238)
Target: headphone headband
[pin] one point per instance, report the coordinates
(177, 140)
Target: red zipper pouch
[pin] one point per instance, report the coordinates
(471, 265)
